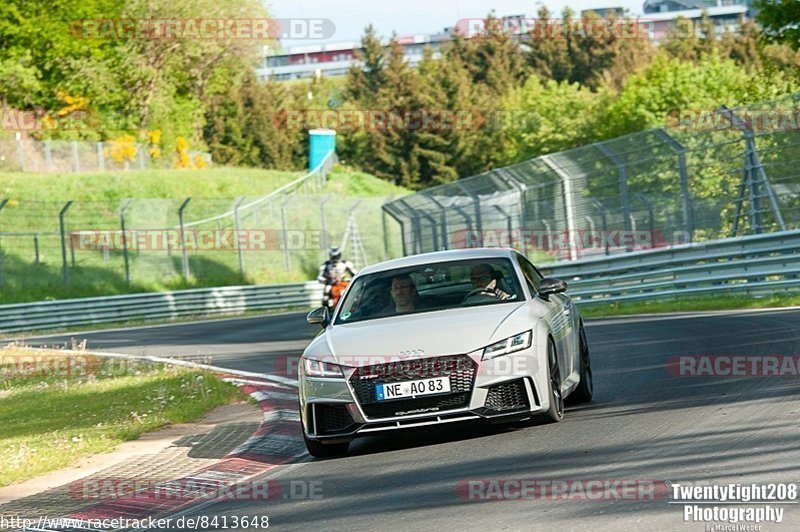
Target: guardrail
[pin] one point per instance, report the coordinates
(160, 305)
(754, 265)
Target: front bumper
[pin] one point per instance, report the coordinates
(497, 390)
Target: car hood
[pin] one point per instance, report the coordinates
(424, 335)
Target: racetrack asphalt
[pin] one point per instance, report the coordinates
(645, 424)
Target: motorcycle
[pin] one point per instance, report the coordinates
(331, 298)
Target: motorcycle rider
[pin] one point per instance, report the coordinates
(331, 274)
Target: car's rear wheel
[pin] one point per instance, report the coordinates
(555, 413)
(585, 390)
(325, 450)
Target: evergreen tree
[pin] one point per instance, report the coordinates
(364, 82)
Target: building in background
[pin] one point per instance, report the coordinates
(335, 59)
(606, 12)
(727, 15)
(302, 62)
(661, 6)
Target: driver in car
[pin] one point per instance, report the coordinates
(484, 280)
(404, 295)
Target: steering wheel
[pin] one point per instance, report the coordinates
(476, 292)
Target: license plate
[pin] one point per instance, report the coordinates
(398, 390)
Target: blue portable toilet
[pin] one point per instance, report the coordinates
(322, 142)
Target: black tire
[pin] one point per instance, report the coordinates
(585, 390)
(555, 413)
(318, 449)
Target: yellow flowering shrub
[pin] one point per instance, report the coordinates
(123, 148)
(154, 139)
(182, 151)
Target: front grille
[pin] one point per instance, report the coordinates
(332, 419)
(506, 397)
(460, 369)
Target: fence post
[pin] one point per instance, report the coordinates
(76, 163)
(284, 200)
(590, 222)
(422, 214)
(322, 203)
(604, 215)
(385, 228)
(509, 225)
(122, 212)
(442, 219)
(101, 163)
(387, 209)
(623, 187)
(686, 198)
(48, 155)
(521, 190)
(650, 217)
(569, 205)
(21, 153)
(185, 257)
(63, 231)
(237, 228)
(477, 202)
(2, 258)
(549, 230)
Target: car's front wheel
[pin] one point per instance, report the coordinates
(585, 390)
(555, 413)
(325, 450)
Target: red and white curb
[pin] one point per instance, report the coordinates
(279, 441)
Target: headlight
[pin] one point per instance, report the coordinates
(315, 368)
(509, 345)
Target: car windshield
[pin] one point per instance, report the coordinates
(427, 288)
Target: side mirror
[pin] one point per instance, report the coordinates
(551, 286)
(319, 316)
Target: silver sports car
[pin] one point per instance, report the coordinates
(441, 338)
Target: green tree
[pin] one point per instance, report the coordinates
(551, 117)
(590, 51)
(495, 58)
(363, 82)
(690, 40)
(781, 20)
(670, 85)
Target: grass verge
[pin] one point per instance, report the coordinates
(32, 261)
(58, 409)
(116, 186)
(690, 304)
